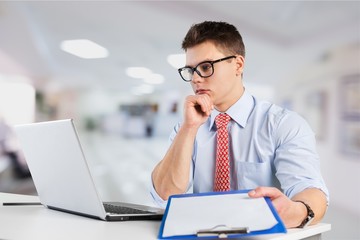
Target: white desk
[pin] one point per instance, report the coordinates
(37, 222)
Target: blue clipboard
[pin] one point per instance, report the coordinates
(228, 233)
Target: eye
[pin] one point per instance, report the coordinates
(205, 67)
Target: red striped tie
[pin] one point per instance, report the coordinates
(222, 167)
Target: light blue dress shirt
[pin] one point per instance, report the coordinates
(269, 146)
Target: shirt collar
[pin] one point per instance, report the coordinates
(239, 111)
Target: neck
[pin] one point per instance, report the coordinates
(226, 104)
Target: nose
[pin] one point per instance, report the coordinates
(196, 77)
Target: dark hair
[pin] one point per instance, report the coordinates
(224, 35)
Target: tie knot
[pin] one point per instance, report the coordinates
(222, 120)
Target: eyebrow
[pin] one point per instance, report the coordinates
(199, 63)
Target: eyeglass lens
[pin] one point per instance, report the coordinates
(203, 69)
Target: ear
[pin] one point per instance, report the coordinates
(240, 61)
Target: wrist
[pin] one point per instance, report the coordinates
(309, 214)
(190, 126)
(188, 132)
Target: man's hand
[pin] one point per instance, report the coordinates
(197, 109)
(292, 213)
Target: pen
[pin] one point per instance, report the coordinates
(20, 203)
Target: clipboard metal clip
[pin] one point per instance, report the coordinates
(222, 231)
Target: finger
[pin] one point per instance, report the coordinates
(210, 105)
(205, 106)
(265, 192)
(205, 103)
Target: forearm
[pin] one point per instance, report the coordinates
(316, 199)
(171, 175)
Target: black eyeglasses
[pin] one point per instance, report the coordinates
(204, 69)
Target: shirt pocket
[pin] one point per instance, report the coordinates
(253, 174)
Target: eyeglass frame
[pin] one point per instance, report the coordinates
(194, 69)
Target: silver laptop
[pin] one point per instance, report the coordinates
(62, 177)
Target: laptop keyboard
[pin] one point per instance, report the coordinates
(110, 208)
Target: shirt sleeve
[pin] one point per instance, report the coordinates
(297, 162)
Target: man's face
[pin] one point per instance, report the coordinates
(225, 85)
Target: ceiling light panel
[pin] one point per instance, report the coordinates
(84, 48)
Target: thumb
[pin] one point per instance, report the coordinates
(270, 192)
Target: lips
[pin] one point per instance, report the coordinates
(202, 91)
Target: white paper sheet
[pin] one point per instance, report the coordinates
(187, 215)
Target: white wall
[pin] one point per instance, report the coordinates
(340, 170)
(17, 100)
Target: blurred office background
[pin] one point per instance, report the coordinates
(125, 94)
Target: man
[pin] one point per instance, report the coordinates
(270, 148)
